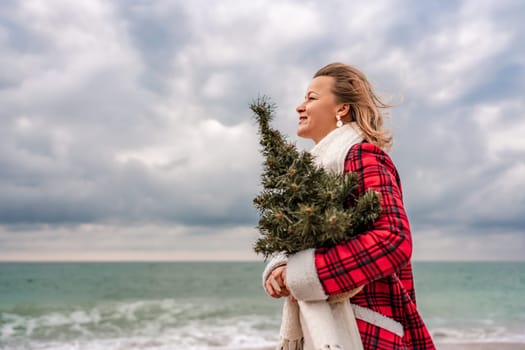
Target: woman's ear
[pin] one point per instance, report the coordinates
(343, 109)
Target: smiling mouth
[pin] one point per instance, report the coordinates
(301, 119)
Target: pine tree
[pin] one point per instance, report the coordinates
(303, 206)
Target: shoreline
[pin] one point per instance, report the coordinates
(480, 346)
(463, 346)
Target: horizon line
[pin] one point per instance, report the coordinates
(223, 260)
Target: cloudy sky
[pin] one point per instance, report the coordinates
(126, 135)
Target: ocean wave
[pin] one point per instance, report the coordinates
(152, 324)
(186, 324)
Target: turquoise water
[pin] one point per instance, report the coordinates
(465, 302)
(222, 305)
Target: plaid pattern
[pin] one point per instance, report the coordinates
(378, 259)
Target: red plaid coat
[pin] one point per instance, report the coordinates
(378, 259)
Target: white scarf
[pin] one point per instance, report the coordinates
(331, 151)
(324, 325)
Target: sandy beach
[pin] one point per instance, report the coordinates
(482, 346)
(471, 346)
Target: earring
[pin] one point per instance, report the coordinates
(339, 122)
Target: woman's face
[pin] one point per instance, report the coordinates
(317, 114)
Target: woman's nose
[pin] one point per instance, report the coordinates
(300, 108)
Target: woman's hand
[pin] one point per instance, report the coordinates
(276, 283)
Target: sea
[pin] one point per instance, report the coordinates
(222, 306)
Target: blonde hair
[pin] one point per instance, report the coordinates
(351, 86)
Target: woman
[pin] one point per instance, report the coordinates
(341, 114)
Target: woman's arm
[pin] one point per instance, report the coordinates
(379, 252)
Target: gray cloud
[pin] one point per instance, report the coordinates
(123, 113)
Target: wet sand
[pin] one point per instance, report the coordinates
(470, 346)
(481, 346)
